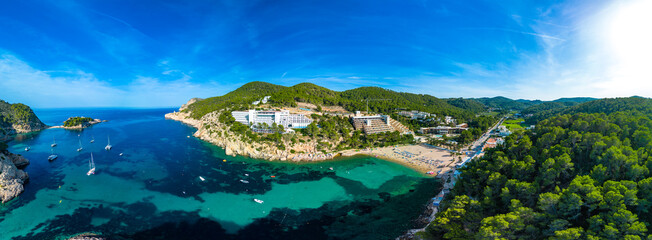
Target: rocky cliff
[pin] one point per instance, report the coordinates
(12, 177)
(14, 118)
(211, 130)
(17, 118)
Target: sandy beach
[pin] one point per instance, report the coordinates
(421, 157)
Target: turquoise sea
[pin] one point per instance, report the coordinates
(154, 190)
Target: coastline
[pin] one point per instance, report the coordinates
(419, 157)
(80, 126)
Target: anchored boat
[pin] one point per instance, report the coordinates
(52, 156)
(108, 146)
(80, 146)
(91, 166)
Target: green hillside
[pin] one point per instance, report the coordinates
(607, 106)
(17, 113)
(583, 173)
(381, 100)
(576, 99)
(468, 104)
(506, 103)
(547, 106)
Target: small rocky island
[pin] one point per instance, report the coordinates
(80, 122)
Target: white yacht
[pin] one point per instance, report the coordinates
(108, 146)
(80, 147)
(91, 166)
(52, 156)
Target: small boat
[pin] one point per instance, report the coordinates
(202, 178)
(54, 143)
(27, 149)
(91, 166)
(52, 156)
(244, 181)
(121, 154)
(93, 140)
(258, 200)
(247, 174)
(80, 147)
(108, 146)
(330, 168)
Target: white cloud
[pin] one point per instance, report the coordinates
(19, 82)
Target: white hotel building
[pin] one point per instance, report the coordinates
(283, 118)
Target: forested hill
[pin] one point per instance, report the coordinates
(609, 105)
(530, 105)
(17, 117)
(506, 103)
(17, 113)
(380, 100)
(581, 175)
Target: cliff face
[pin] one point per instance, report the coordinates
(17, 118)
(12, 177)
(211, 130)
(14, 118)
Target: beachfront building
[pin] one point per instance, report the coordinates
(445, 129)
(378, 124)
(283, 118)
(449, 119)
(415, 114)
(502, 131)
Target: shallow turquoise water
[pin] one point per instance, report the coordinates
(154, 190)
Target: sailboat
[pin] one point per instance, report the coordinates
(91, 166)
(108, 146)
(52, 157)
(80, 146)
(93, 140)
(54, 142)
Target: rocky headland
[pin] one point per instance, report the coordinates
(8, 131)
(422, 158)
(12, 176)
(14, 119)
(211, 130)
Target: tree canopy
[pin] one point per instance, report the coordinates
(584, 174)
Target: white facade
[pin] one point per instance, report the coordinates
(283, 118)
(415, 114)
(449, 119)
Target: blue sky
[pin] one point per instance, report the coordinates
(162, 53)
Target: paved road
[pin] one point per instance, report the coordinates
(476, 146)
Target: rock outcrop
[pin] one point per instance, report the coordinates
(87, 236)
(12, 177)
(184, 106)
(17, 118)
(211, 130)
